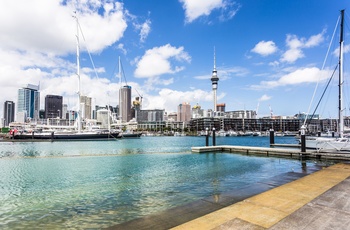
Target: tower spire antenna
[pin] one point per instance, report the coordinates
(214, 59)
(214, 81)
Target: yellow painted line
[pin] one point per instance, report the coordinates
(270, 207)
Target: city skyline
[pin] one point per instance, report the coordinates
(269, 54)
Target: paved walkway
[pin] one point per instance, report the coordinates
(318, 201)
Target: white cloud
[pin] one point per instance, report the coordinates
(265, 48)
(299, 76)
(197, 8)
(48, 26)
(296, 45)
(157, 61)
(292, 55)
(34, 36)
(274, 63)
(120, 47)
(264, 98)
(145, 30)
(169, 99)
(225, 72)
(346, 49)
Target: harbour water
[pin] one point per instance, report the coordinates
(97, 184)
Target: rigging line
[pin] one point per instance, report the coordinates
(324, 62)
(121, 64)
(324, 91)
(87, 48)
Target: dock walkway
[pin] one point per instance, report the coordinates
(317, 201)
(279, 151)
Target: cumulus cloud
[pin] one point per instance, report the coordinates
(158, 61)
(265, 48)
(48, 26)
(169, 99)
(197, 8)
(299, 76)
(36, 36)
(296, 45)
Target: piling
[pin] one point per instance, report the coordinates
(206, 137)
(214, 138)
(272, 137)
(302, 138)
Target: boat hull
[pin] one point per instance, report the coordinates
(65, 136)
(324, 143)
(130, 135)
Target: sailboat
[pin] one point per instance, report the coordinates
(341, 143)
(78, 134)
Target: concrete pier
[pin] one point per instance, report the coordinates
(277, 152)
(317, 201)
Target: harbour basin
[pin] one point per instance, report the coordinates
(98, 184)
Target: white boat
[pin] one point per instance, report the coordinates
(222, 133)
(232, 133)
(341, 143)
(256, 134)
(178, 134)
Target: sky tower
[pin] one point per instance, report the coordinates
(214, 81)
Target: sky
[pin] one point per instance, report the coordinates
(270, 54)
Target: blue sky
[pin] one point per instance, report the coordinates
(269, 53)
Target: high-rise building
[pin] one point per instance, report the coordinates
(184, 112)
(64, 111)
(53, 106)
(29, 101)
(125, 103)
(151, 115)
(214, 81)
(221, 107)
(86, 107)
(9, 112)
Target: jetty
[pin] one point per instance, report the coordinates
(276, 150)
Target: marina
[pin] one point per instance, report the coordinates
(99, 184)
(163, 149)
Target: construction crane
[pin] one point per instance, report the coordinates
(271, 112)
(257, 108)
(141, 97)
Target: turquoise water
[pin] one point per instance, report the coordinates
(99, 184)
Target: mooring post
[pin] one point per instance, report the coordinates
(206, 137)
(214, 139)
(302, 139)
(272, 137)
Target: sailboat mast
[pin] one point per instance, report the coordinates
(120, 91)
(78, 74)
(341, 80)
